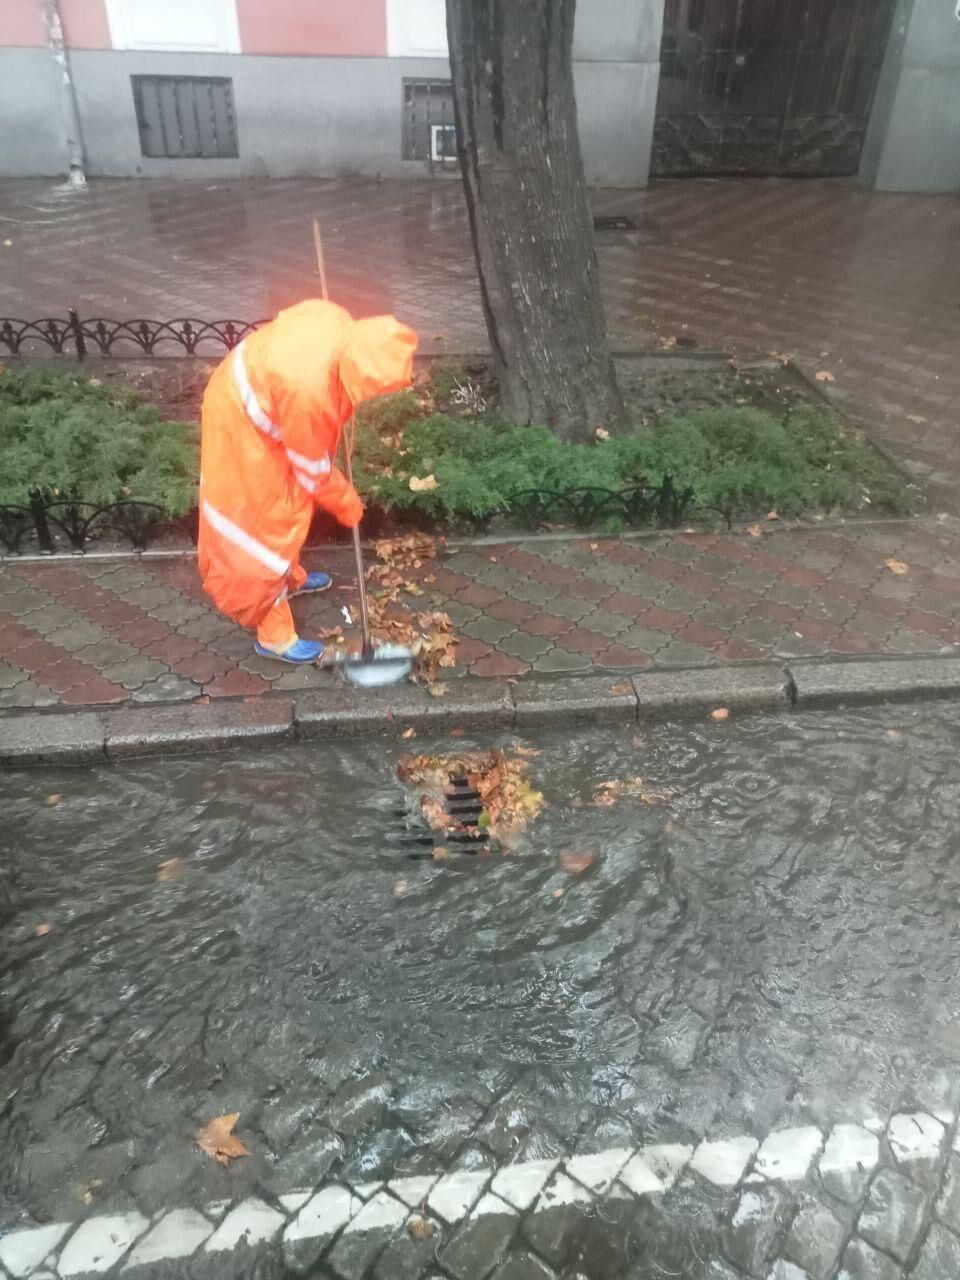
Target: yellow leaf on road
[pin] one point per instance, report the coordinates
(575, 864)
(171, 869)
(217, 1139)
(824, 375)
(897, 567)
(754, 531)
(721, 713)
(420, 1228)
(41, 930)
(915, 417)
(54, 799)
(424, 484)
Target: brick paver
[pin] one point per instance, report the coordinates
(140, 630)
(864, 286)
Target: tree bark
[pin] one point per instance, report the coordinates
(526, 196)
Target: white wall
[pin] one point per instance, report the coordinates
(417, 29)
(199, 26)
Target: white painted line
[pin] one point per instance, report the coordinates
(251, 1222)
(787, 1154)
(491, 1204)
(667, 1160)
(454, 1195)
(176, 1235)
(294, 1201)
(915, 1136)
(723, 1160)
(520, 1184)
(562, 1191)
(598, 1171)
(22, 1251)
(412, 1191)
(324, 1214)
(379, 1214)
(100, 1243)
(850, 1149)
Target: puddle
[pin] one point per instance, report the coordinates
(775, 942)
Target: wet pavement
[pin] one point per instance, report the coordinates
(126, 632)
(858, 284)
(729, 1048)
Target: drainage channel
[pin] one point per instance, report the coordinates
(463, 804)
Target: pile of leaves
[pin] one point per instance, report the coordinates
(429, 635)
(69, 436)
(510, 801)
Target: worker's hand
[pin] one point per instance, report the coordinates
(351, 512)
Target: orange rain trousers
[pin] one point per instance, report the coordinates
(271, 421)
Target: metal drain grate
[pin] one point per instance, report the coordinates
(464, 805)
(613, 222)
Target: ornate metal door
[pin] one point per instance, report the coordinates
(767, 86)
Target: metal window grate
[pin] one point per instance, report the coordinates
(428, 121)
(185, 117)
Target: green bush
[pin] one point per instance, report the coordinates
(737, 460)
(68, 436)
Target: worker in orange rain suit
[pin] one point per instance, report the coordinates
(271, 420)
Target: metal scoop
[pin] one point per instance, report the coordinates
(374, 668)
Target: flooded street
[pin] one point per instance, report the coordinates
(772, 945)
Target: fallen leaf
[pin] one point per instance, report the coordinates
(754, 531)
(408, 734)
(420, 1228)
(202, 701)
(441, 854)
(41, 930)
(423, 484)
(90, 1190)
(602, 433)
(824, 375)
(558, 893)
(94, 382)
(217, 1139)
(54, 799)
(892, 733)
(609, 793)
(897, 567)
(915, 417)
(773, 515)
(575, 864)
(7, 244)
(720, 713)
(438, 690)
(400, 889)
(171, 869)
(457, 733)
(639, 741)
(624, 687)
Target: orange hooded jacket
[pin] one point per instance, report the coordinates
(271, 421)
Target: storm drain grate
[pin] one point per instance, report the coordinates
(613, 222)
(462, 802)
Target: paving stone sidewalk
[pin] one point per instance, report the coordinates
(866, 1199)
(859, 284)
(99, 631)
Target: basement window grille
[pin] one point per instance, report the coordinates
(185, 117)
(429, 131)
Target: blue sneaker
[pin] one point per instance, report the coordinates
(315, 582)
(300, 652)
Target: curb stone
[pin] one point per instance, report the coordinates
(748, 688)
(170, 730)
(344, 712)
(83, 736)
(75, 737)
(833, 684)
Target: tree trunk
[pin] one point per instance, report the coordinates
(516, 118)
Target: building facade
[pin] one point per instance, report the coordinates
(285, 88)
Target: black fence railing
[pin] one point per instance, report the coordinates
(101, 337)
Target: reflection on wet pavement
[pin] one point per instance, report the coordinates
(774, 948)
